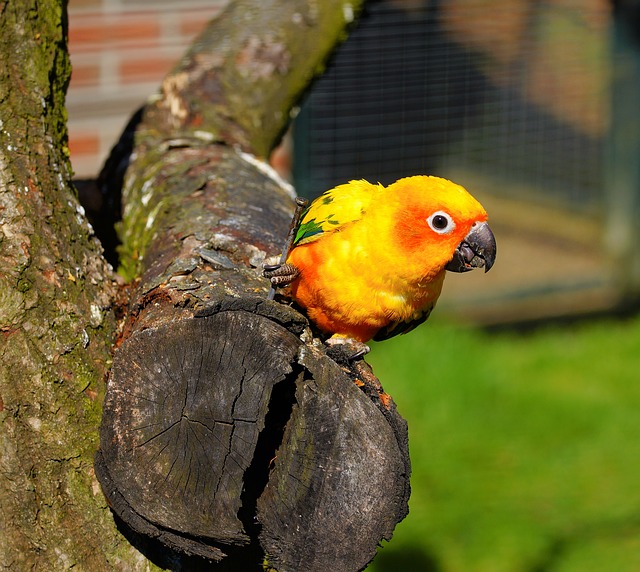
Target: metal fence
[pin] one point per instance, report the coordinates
(512, 99)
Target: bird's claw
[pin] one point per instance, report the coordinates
(280, 274)
(346, 349)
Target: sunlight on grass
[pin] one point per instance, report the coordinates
(525, 448)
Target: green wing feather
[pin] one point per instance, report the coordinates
(335, 208)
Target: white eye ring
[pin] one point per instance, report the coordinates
(441, 222)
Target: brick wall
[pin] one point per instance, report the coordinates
(120, 51)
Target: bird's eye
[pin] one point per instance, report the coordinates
(441, 222)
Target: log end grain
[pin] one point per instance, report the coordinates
(224, 431)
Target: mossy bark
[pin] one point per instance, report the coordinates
(56, 326)
(237, 86)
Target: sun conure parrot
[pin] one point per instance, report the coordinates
(368, 261)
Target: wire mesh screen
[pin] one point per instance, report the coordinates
(514, 91)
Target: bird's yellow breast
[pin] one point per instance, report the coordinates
(353, 290)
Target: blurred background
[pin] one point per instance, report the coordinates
(522, 392)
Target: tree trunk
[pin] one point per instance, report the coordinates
(56, 325)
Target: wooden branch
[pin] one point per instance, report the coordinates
(244, 74)
(228, 432)
(222, 411)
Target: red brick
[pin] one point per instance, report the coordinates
(85, 75)
(84, 144)
(281, 158)
(113, 30)
(135, 69)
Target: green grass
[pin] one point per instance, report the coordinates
(525, 448)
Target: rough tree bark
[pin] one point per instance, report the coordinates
(297, 440)
(56, 327)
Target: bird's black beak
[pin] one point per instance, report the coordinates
(477, 250)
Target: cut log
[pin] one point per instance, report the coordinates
(225, 422)
(186, 406)
(228, 432)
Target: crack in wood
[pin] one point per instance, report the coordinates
(269, 440)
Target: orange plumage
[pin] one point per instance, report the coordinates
(371, 260)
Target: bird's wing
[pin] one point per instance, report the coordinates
(403, 327)
(334, 209)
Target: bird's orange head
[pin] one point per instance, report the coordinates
(432, 224)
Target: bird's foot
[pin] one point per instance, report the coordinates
(280, 274)
(343, 349)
